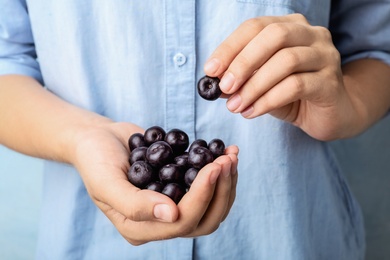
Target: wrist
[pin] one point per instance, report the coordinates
(366, 83)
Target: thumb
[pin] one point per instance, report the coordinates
(136, 204)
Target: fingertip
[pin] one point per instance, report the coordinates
(211, 67)
(163, 208)
(165, 213)
(232, 149)
(227, 83)
(146, 205)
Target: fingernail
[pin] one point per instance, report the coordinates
(227, 82)
(162, 212)
(247, 112)
(212, 66)
(234, 102)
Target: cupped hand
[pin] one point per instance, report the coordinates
(141, 216)
(285, 67)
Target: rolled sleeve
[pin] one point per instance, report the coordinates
(17, 49)
(361, 29)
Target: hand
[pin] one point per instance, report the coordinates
(101, 157)
(288, 68)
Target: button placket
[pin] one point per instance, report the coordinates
(180, 66)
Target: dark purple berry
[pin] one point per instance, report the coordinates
(190, 176)
(159, 154)
(141, 174)
(198, 143)
(178, 140)
(154, 134)
(174, 191)
(199, 157)
(138, 154)
(136, 140)
(208, 88)
(155, 186)
(171, 173)
(216, 147)
(182, 161)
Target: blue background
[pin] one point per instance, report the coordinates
(365, 159)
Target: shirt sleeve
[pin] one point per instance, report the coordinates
(17, 49)
(361, 29)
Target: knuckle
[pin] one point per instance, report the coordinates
(297, 85)
(323, 32)
(331, 56)
(130, 239)
(335, 56)
(266, 104)
(134, 242)
(291, 59)
(186, 229)
(333, 79)
(225, 47)
(299, 17)
(134, 214)
(212, 229)
(252, 89)
(240, 65)
(253, 23)
(280, 31)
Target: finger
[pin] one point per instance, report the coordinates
(270, 40)
(232, 149)
(234, 174)
(139, 232)
(196, 201)
(276, 100)
(219, 204)
(229, 48)
(284, 63)
(136, 204)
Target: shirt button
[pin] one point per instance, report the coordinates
(179, 59)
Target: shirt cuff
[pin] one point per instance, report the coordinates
(9, 67)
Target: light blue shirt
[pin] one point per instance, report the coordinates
(139, 61)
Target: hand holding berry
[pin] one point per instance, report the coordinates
(102, 158)
(288, 68)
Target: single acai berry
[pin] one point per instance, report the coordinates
(159, 154)
(182, 161)
(178, 140)
(216, 147)
(174, 191)
(171, 173)
(141, 174)
(197, 143)
(154, 134)
(155, 186)
(199, 157)
(190, 176)
(136, 140)
(208, 88)
(138, 154)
